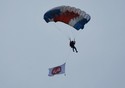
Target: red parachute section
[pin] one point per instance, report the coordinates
(66, 17)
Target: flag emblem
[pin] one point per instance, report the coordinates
(57, 70)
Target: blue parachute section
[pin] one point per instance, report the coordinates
(80, 24)
(51, 14)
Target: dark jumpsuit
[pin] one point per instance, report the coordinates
(72, 45)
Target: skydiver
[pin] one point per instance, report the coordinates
(72, 45)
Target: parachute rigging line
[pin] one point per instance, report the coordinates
(59, 29)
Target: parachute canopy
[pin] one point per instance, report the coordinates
(69, 15)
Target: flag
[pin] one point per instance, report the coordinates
(57, 70)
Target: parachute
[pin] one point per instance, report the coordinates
(68, 15)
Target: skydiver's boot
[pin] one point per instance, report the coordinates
(76, 51)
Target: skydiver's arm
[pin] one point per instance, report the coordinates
(74, 39)
(70, 39)
(74, 42)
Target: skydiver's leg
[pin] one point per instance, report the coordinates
(75, 49)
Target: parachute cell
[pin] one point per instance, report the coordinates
(69, 15)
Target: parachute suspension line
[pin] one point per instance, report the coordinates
(73, 34)
(76, 35)
(59, 29)
(67, 56)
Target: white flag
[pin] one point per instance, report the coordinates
(57, 70)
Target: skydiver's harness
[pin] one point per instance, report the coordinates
(72, 43)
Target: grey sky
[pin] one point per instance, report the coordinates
(29, 45)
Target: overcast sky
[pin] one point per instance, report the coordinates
(29, 45)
